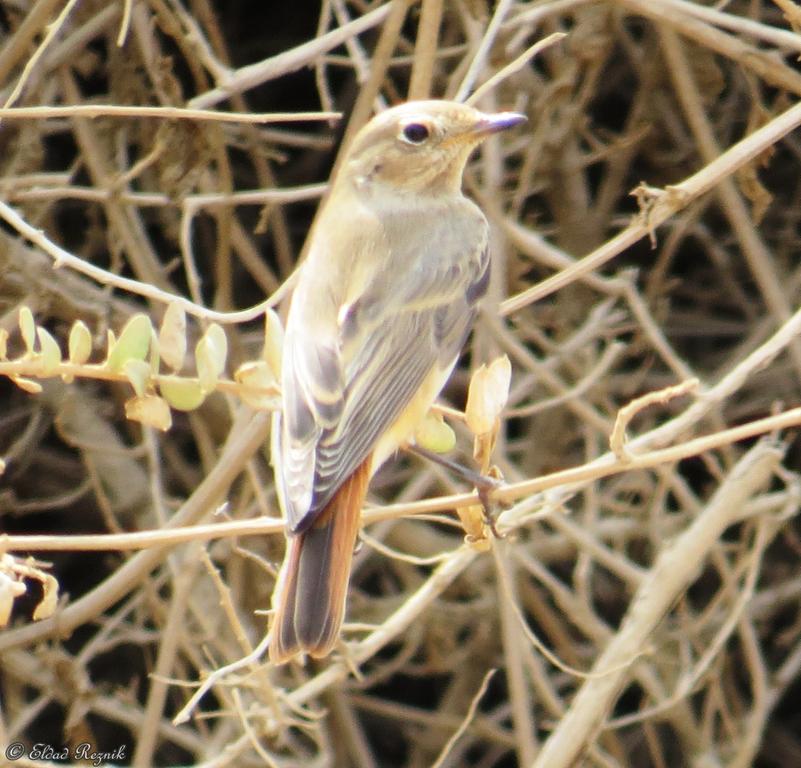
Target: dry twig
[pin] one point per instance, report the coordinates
(643, 606)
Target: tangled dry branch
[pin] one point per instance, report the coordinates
(643, 607)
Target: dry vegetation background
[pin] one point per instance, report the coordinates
(644, 605)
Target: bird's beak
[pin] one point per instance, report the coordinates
(494, 123)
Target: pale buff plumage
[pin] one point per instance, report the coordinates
(379, 316)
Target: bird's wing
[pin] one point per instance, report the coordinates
(339, 401)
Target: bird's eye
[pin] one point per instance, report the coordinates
(415, 133)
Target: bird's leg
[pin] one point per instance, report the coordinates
(484, 484)
(470, 475)
(488, 507)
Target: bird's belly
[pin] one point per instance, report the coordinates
(402, 430)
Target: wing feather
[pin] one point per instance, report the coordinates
(341, 397)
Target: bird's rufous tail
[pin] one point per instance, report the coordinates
(309, 598)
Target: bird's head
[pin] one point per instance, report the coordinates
(420, 147)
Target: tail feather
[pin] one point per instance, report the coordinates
(309, 598)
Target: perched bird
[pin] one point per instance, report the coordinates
(382, 308)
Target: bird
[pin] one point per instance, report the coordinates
(384, 301)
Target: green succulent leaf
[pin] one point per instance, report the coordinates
(80, 343)
(133, 343)
(273, 342)
(182, 394)
(138, 373)
(27, 327)
(435, 435)
(210, 356)
(259, 386)
(50, 354)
